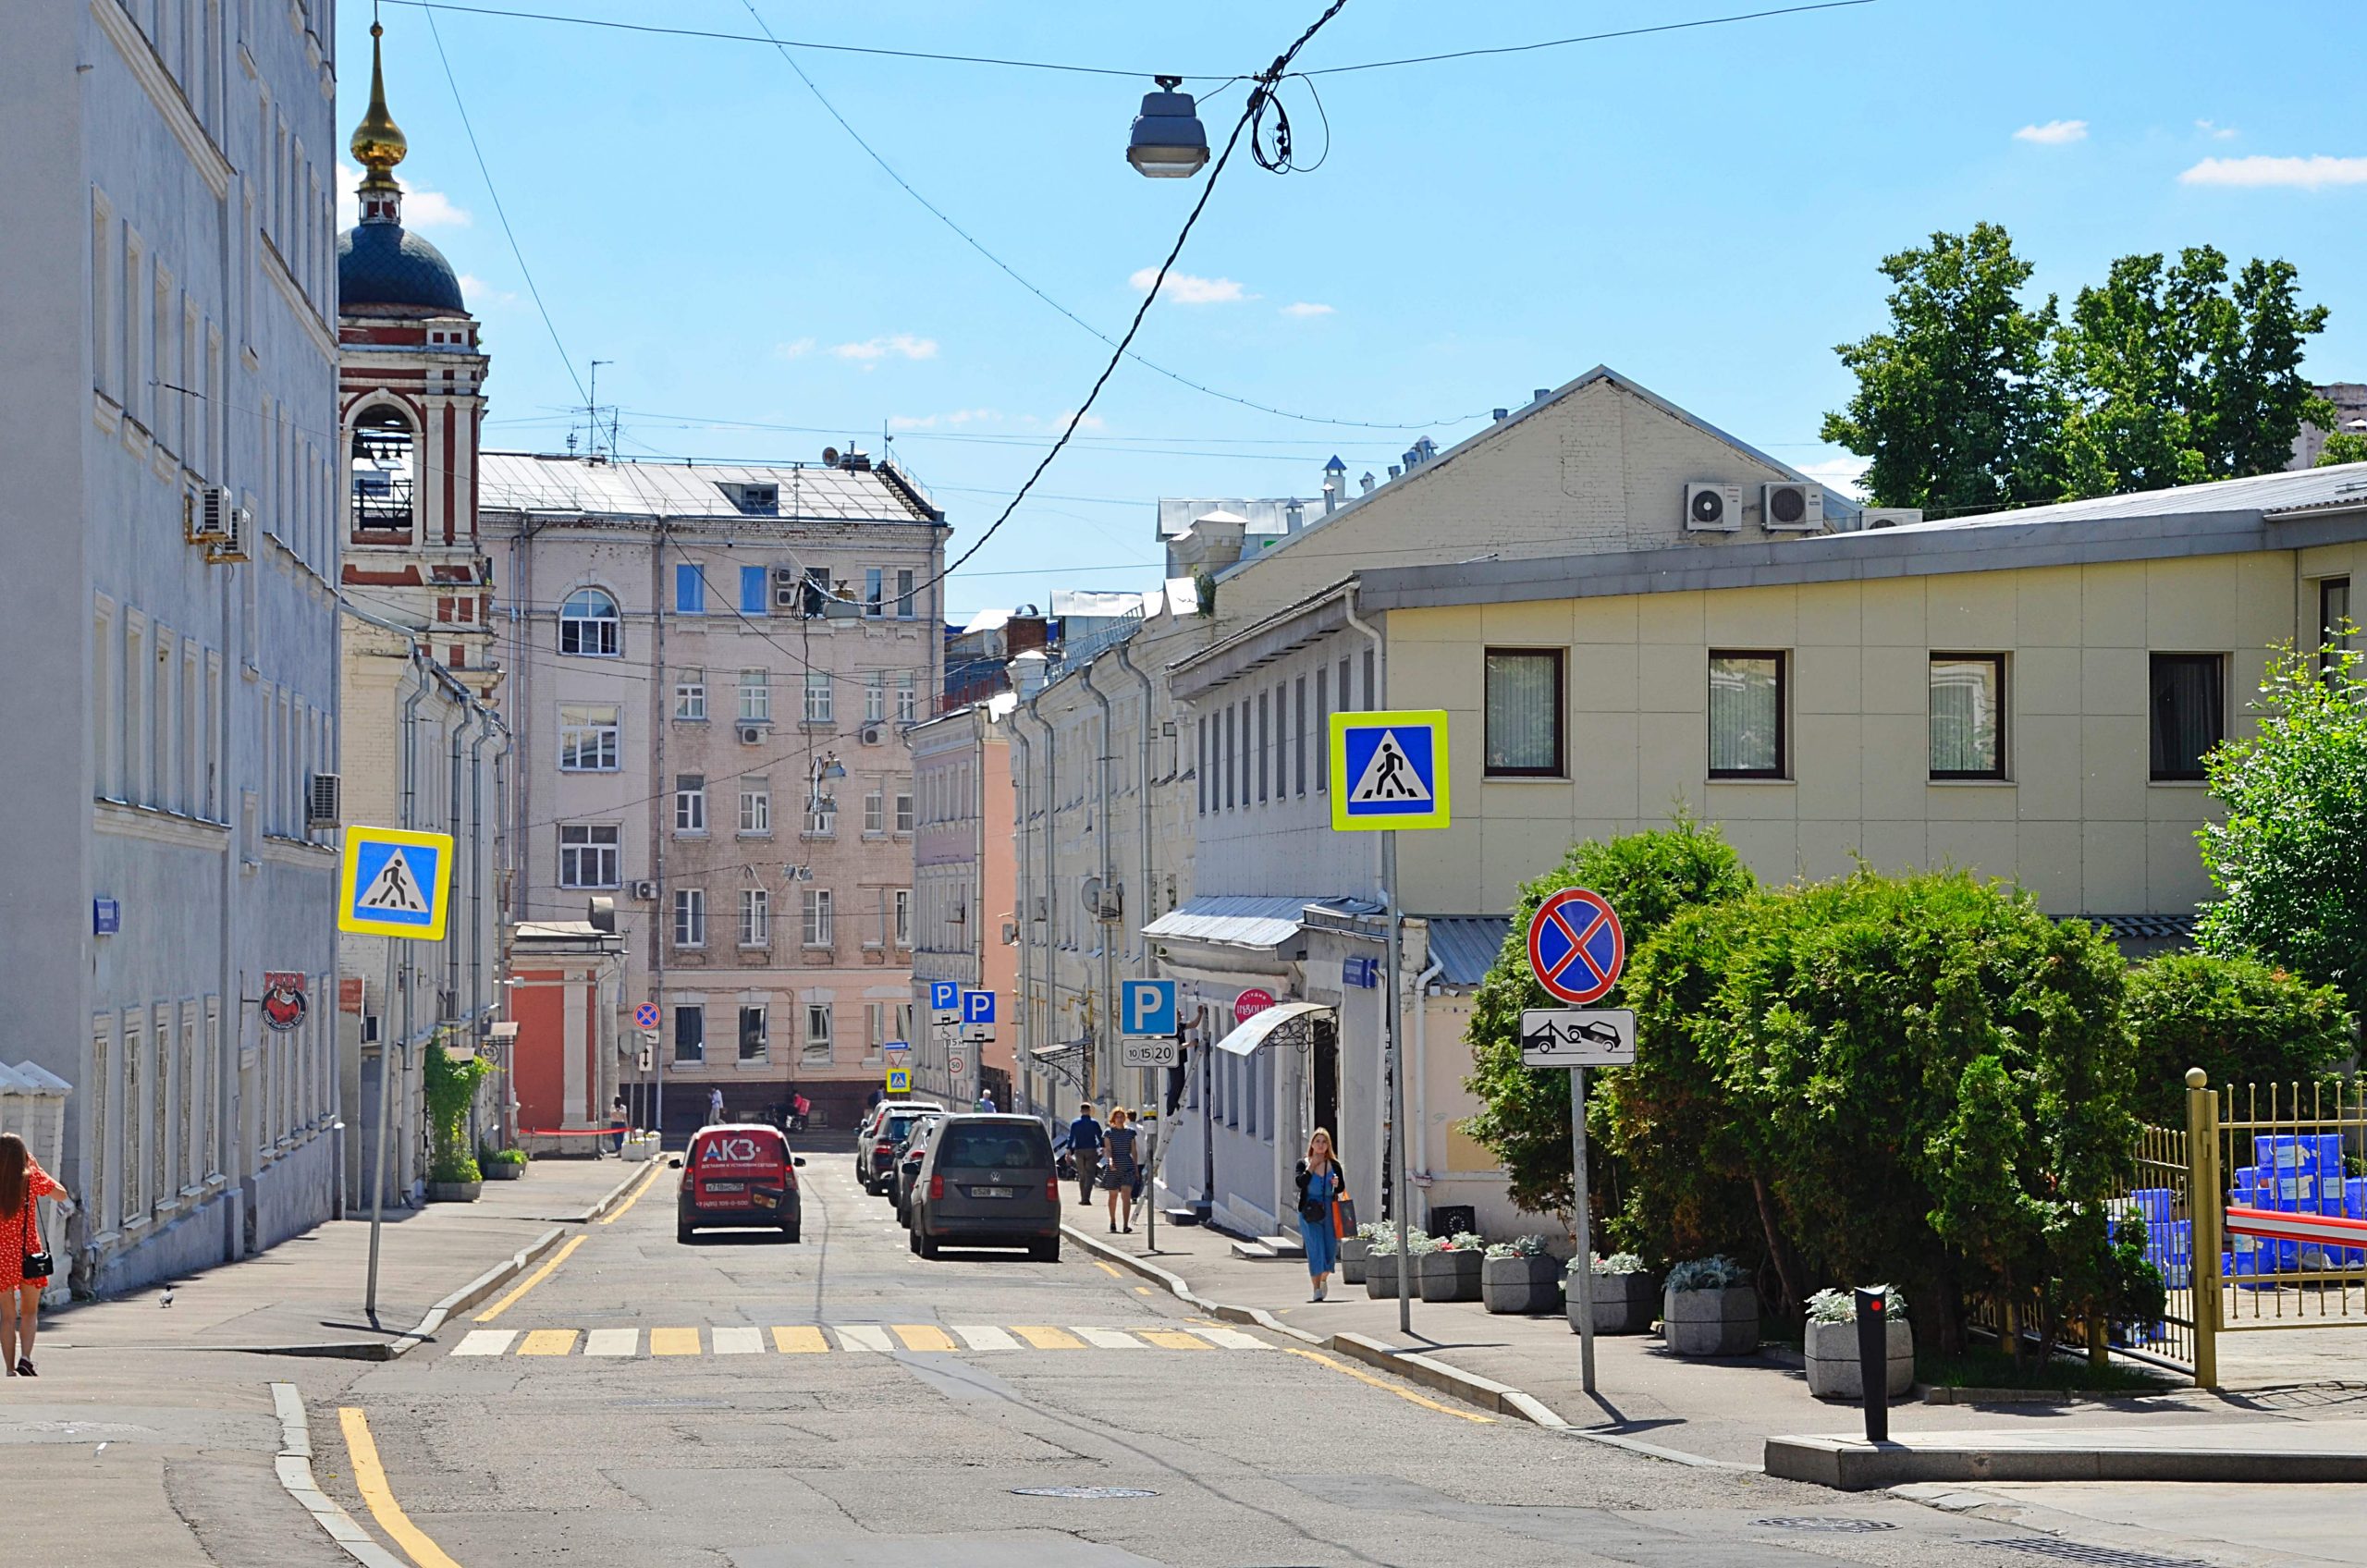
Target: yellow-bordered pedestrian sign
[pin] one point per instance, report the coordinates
(900, 1081)
(1389, 769)
(395, 883)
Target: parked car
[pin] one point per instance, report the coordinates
(876, 1148)
(740, 1174)
(908, 1164)
(986, 1181)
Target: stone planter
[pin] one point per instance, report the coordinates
(1353, 1253)
(454, 1191)
(1449, 1275)
(1381, 1275)
(1521, 1284)
(1723, 1322)
(1832, 1355)
(500, 1170)
(1623, 1304)
(641, 1148)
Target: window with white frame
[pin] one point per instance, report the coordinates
(756, 918)
(755, 697)
(757, 806)
(875, 812)
(818, 696)
(690, 1033)
(588, 853)
(817, 917)
(690, 802)
(818, 1029)
(587, 737)
(822, 816)
(690, 917)
(872, 593)
(875, 696)
(903, 813)
(690, 695)
(589, 625)
(901, 915)
(908, 697)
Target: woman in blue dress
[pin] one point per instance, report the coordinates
(1322, 1187)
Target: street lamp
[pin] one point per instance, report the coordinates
(1169, 141)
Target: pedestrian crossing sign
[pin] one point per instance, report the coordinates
(1389, 769)
(395, 883)
(900, 1081)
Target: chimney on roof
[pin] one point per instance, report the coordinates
(1393, 470)
(1540, 394)
(1502, 413)
(1335, 483)
(1293, 513)
(1368, 481)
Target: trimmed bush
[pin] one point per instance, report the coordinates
(2239, 1019)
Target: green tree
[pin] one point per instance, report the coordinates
(1953, 405)
(2291, 861)
(2241, 1020)
(2261, 398)
(2344, 447)
(1649, 877)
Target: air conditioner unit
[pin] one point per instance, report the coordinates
(323, 798)
(751, 734)
(1892, 516)
(237, 543)
(870, 733)
(209, 513)
(645, 889)
(1792, 507)
(789, 589)
(1713, 508)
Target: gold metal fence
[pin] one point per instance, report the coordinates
(2298, 1149)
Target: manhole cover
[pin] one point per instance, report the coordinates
(2078, 1551)
(1087, 1492)
(1835, 1524)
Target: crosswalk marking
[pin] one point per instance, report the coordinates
(864, 1336)
(484, 1341)
(1231, 1339)
(920, 1336)
(548, 1342)
(1108, 1339)
(739, 1339)
(612, 1342)
(984, 1336)
(800, 1339)
(1175, 1339)
(673, 1341)
(1043, 1337)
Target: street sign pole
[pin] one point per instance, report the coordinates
(1579, 1200)
(378, 1154)
(1397, 1156)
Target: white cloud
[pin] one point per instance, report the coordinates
(2054, 133)
(2216, 132)
(1186, 290)
(902, 345)
(1306, 308)
(421, 208)
(477, 291)
(793, 351)
(2306, 173)
(1838, 474)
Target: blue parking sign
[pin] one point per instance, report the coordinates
(1150, 1006)
(977, 1007)
(944, 995)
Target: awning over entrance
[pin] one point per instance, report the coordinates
(1247, 1038)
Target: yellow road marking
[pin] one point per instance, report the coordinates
(799, 1339)
(548, 1342)
(1106, 1270)
(1142, 1290)
(536, 1278)
(370, 1480)
(635, 1196)
(1386, 1387)
(920, 1336)
(1174, 1339)
(1043, 1337)
(673, 1341)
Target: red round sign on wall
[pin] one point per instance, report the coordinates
(1250, 1003)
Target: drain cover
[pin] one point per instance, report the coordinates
(2078, 1551)
(1086, 1493)
(1835, 1524)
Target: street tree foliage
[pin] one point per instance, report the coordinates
(2166, 374)
(2239, 1019)
(2290, 860)
(2344, 447)
(1649, 877)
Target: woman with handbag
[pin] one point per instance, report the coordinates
(25, 1265)
(1322, 1187)
(1118, 1168)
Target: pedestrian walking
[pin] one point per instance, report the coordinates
(987, 1101)
(800, 1108)
(1120, 1168)
(25, 1266)
(619, 1118)
(714, 1107)
(1323, 1188)
(1084, 1150)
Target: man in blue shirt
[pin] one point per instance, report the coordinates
(1084, 1145)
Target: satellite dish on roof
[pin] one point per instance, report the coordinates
(830, 456)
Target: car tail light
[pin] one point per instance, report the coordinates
(1052, 1189)
(935, 1188)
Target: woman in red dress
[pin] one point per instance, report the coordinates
(23, 1185)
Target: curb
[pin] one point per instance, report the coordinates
(1468, 1387)
(1852, 1464)
(1224, 1312)
(475, 1290)
(616, 1194)
(294, 1467)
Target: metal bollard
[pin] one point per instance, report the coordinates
(1874, 1361)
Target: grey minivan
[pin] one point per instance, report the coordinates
(987, 1181)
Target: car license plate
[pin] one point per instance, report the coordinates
(727, 1186)
(992, 1191)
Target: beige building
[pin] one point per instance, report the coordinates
(710, 670)
(964, 898)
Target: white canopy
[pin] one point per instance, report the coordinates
(1246, 1037)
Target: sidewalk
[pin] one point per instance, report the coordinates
(304, 1296)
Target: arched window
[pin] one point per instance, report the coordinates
(386, 448)
(587, 624)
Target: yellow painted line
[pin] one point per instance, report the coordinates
(1043, 1337)
(548, 1342)
(1142, 1290)
(920, 1336)
(635, 1196)
(536, 1278)
(799, 1339)
(370, 1480)
(1106, 1270)
(1386, 1387)
(673, 1341)
(1174, 1339)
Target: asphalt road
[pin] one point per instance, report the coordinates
(741, 1401)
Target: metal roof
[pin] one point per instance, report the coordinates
(1238, 920)
(531, 481)
(2342, 484)
(1466, 945)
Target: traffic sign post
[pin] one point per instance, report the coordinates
(1577, 949)
(1149, 1053)
(1388, 771)
(900, 1081)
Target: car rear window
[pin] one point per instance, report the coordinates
(753, 1147)
(1006, 1148)
(897, 1125)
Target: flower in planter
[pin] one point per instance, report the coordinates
(1616, 1264)
(1421, 1243)
(1467, 1241)
(1519, 1246)
(1841, 1307)
(1718, 1273)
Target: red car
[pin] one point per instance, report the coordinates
(738, 1174)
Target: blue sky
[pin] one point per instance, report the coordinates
(1702, 210)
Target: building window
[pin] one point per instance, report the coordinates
(1298, 737)
(900, 908)
(1200, 775)
(587, 738)
(755, 697)
(1523, 721)
(2337, 631)
(817, 592)
(751, 1032)
(690, 917)
(818, 698)
(587, 854)
(904, 594)
(908, 698)
(1745, 716)
(2189, 706)
(1265, 742)
(871, 593)
(588, 625)
(689, 1033)
(903, 813)
(875, 696)
(818, 1029)
(875, 812)
(381, 476)
(817, 917)
(690, 695)
(756, 918)
(689, 589)
(751, 590)
(1967, 716)
(756, 807)
(1322, 730)
(690, 802)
